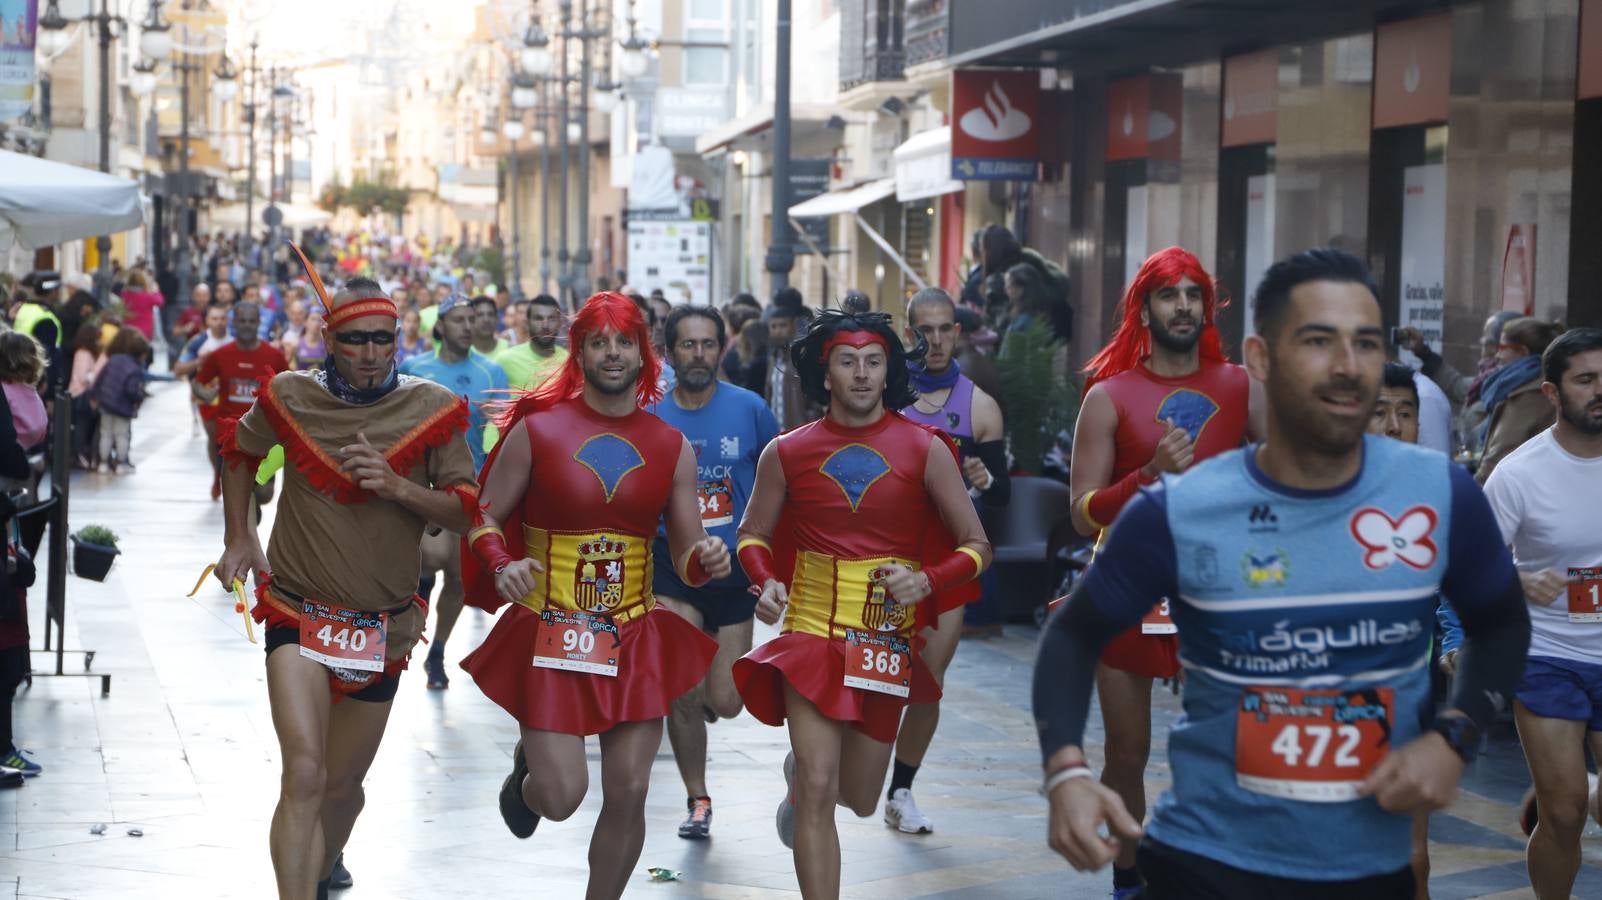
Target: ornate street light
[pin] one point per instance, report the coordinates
(143, 82)
(536, 53)
(524, 95)
(513, 129)
(225, 87)
(155, 34)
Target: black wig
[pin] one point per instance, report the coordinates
(806, 354)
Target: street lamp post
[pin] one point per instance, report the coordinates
(781, 252)
(513, 129)
(542, 119)
(250, 152)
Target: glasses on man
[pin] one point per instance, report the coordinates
(358, 338)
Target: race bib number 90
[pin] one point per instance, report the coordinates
(1316, 746)
(1585, 594)
(878, 663)
(577, 641)
(343, 638)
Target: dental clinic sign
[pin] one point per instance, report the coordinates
(995, 125)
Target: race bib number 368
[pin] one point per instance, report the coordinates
(1316, 746)
(881, 663)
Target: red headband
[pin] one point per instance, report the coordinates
(370, 306)
(854, 339)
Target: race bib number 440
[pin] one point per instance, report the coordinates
(878, 663)
(1311, 745)
(577, 641)
(343, 638)
(1585, 594)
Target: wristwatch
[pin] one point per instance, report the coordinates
(1461, 734)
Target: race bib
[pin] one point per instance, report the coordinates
(1585, 594)
(343, 638)
(577, 641)
(1158, 621)
(242, 390)
(878, 663)
(1311, 745)
(717, 502)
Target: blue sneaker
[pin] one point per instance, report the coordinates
(1128, 893)
(15, 760)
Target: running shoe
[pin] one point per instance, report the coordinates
(1529, 815)
(901, 813)
(785, 819)
(435, 666)
(518, 817)
(1128, 893)
(10, 778)
(339, 879)
(698, 825)
(15, 760)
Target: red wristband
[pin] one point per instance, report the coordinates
(960, 567)
(1102, 506)
(756, 558)
(695, 574)
(489, 545)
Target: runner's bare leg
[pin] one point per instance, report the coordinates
(626, 755)
(355, 729)
(817, 742)
(297, 689)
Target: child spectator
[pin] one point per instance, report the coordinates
(119, 390)
(22, 365)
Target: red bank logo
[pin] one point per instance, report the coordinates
(995, 119)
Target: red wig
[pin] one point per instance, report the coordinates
(606, 311)
(1131, 343)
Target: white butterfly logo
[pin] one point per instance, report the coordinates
(1388, 540)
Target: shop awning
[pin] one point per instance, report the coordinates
(753, 131)
(923, 166)
(44, 203)
(847, 200)
(853, 200)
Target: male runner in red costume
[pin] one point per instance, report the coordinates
(582, 476)
(1159, 398)
(847, 501)
(373, 458)
(235, 372)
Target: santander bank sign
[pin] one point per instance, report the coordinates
(995, 134)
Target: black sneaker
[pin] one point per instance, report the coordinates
(339, 878)
(435, 667)
(520, 820)
(698, 825)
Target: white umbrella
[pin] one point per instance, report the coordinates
(44, 203)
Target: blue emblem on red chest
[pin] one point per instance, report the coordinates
(855, 467)
(610, 458)
(1190, 410)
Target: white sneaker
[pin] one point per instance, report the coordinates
(901, 813)
(784, 819)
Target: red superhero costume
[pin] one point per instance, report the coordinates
(856, 499)
(1211, 404)
(239, 375)
(597, 488)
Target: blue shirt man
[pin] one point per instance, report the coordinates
(456, 365)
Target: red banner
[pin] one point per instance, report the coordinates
(1412, 68)
(1251, 99)
(1518, 269)
(1143, 117)
(1590, 82)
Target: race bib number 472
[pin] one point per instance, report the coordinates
(343, 638)
(1316, 746)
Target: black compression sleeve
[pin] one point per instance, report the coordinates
(1496, 637)
(994, 455)
(1065, 670)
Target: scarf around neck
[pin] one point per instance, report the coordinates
(924, 382)
(1502, 382)
(344, 390)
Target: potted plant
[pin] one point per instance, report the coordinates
(93, 549)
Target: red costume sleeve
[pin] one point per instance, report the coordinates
(478, 582)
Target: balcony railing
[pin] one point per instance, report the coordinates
(928, 31)
(871, 41)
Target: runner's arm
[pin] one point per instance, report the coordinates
(684, 529)
(1095, 446)
(1135, 570)
(943, 480)
(505, 484)
(1484, 590)
(990, 446)
(755, 535)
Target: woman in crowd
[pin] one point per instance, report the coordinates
(141, 304)
(413, 342)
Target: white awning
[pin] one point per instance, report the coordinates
(848, 200)
(43, 203)
(923, 166)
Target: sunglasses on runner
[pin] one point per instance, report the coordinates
(357, 338)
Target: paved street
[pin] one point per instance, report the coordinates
(183, 749)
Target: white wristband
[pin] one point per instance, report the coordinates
(1068, 774)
